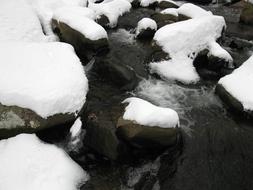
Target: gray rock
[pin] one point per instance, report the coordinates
(15, 120)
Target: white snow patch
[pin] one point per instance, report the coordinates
(18, 22)
(144, 24)
(112, 9)
(145, 113)
(47, 78)
(239, 84)
(27, 163)
(170, 11)
(78, 19)
(75, 130)
(193, 11)
(183, 41)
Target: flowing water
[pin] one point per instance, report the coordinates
(217, 151)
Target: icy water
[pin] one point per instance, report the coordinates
(217, 150)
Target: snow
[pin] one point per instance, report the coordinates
(18, 22)
(112, 9)
(144, 24)
(170, 11)
(45, 10)
(75, 130)
(27, 163)
(145, 113)
(193, 11)
(47, 78)
(80, 19)
(239, 84)
(183, 41)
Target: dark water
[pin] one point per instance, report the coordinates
(217, 151)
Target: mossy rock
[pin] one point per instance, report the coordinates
(247, 14)
(15, 120)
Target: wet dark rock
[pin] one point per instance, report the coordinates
(119, 73)
(103, 21)
(146, 137)
(233, 104)
(130, 19)
(203, 2)
(146, 34)
(182, 17)
(15, 120)
(164, 19)
(81, 44)
(247, 14)
(211, 67)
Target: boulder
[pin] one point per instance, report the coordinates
(142, 136)
(74, 37)
(146, 28)
(247, 14)
(164, 19)
(15, 120)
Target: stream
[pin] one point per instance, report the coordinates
(217, 150)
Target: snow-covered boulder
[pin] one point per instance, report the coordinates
(18, 22)
(188, 10)
(146, 125)
(236, 89)
(183, 41)
(27, 163)
(76, 25)
(45, 10)
(146, 28)
(112, 9)
(165, 17)
(43, 85)
(247, 13)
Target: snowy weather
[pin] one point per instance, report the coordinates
(126, 94)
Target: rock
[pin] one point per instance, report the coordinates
(167, 4)
(146, 137)
(212, 67)
(146, 28)
(103, 21)
(15, 120)
(80, 42)
(246, 16)
(231, 101)
(204, 2)
(120, 74)
(164, 19)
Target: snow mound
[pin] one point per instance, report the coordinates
(239, 84)
(45, 10)
(145, 113)
(113, 9)
(183, 41)
(144, 24)
(18, 22)
(193, 11)
(170, 11)
(47, 78)
(28, 164)
(80, 19)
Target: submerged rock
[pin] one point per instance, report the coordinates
(247, 14)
